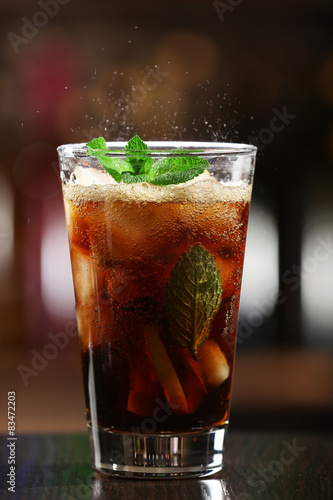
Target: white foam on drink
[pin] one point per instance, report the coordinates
(93, 185)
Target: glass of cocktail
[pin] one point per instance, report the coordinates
(157, 236)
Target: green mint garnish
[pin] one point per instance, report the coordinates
(97, 147)
(174, 170)
(136, 151)
(193, 297)
(114, 166)
(130, 178)
(140, 166)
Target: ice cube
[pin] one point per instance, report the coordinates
(86, 276)
(77, 226)
(230, 273)
(212, 367)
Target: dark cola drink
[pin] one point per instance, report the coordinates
(157, 275)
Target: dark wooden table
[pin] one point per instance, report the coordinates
(269, 466)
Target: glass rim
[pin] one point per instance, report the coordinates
(117, 148)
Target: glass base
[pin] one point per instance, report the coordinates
(157, 456)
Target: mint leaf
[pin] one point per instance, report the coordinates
(130, 178)
(175, 170)
(97, 146)
(136, 144)
(136, 155)
(176, 177)
(114, 166)
(193, 297)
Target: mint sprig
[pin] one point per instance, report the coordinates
(139, 165)
(114, 166)
(136, 151)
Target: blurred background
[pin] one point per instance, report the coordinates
(250, 71)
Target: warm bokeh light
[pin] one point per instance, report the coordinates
(56, 278)
(317, 290)
(6, 229)
(182, 51)
(325, 79)
(261, 266)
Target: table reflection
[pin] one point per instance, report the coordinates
(178, 489)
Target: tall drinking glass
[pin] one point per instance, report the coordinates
(157, 277)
